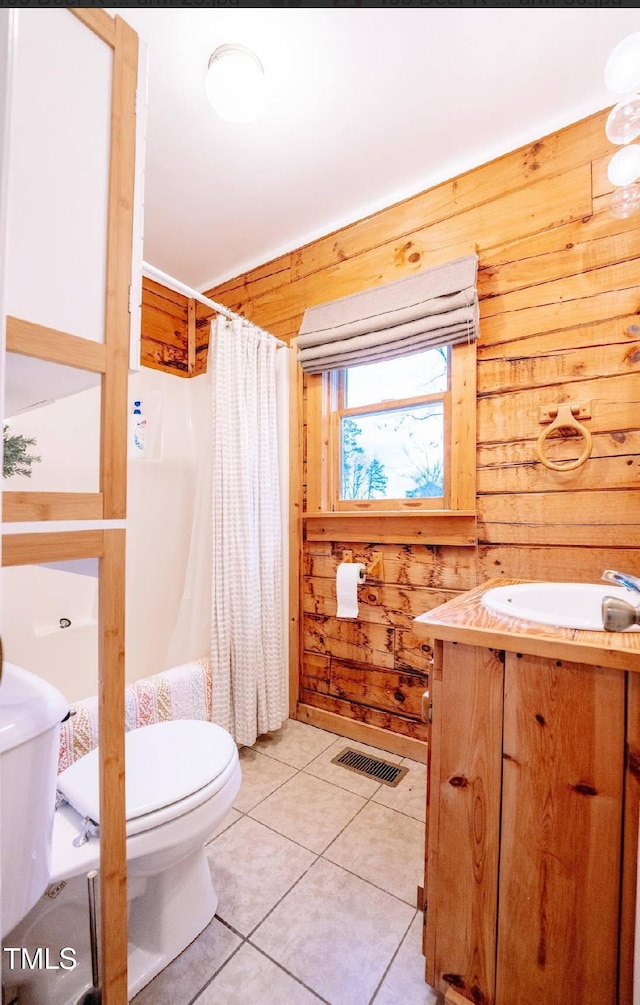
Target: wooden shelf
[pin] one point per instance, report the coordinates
(450, 527)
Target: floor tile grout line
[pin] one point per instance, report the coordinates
(307, 987)
(318, 856)
(390, 964)
(206, 984)
(369, 882)
(322, 854)
(284, 895)
(296, 771)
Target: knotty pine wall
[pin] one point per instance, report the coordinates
(559, 284)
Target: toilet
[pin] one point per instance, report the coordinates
(182, 777)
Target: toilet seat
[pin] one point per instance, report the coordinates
(171, 767)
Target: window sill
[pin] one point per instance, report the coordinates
(453, 527)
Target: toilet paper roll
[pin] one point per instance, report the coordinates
(349, 576)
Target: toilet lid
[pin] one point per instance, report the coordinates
(165, 762)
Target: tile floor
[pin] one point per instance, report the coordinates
(316, 870)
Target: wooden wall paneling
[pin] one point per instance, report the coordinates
(295, 528)
(560, 298)
(113, 856)
(600, 184)
(386, 690)
(516, 415)
(412, 653)
(493, 457)
(531, 322)
(574, 248)
(608, 517)
(509, 173)
(114, 417)
(562, 796)
(621, 276)
(166, 358)
(315, 673)
(237, 291)
(191, 336)
(531, 476)
(630, 845)
(611, 536)
(548, 203)
(420, 565)
(560, 564)
(618, 353)
(394, 733)
(382, 604)
(348, 639)
(468, 837)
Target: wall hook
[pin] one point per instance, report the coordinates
(565, 418)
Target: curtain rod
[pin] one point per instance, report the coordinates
(165, 279)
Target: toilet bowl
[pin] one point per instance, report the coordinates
(182, 777)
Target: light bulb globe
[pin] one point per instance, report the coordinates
(624, 166)
(623, 123)
(622, 72)
(235, 83)
(625, 202)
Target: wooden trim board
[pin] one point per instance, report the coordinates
(55, 346)
(113, 855)
(362, 732)
(34, 506)
(32, 549)
(114, 418)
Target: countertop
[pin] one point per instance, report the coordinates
(465, 619)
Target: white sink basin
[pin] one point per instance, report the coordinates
(564, 605)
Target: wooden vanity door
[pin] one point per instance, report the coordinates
(464, 822)
(563, 776)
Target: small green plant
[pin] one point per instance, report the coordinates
(16, 459)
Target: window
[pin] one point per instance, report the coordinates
(390, 423)
(394, 435)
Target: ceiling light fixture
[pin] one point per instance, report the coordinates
(622, 76)
(235, 83)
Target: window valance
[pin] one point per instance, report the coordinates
(435, 307)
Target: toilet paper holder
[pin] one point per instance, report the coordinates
(374, 569)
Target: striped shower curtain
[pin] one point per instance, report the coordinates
(247, 646)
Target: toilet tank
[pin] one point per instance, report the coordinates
(30, 714)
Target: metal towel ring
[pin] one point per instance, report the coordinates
(565, 419)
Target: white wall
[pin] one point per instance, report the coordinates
(159, 507)
(59, 170)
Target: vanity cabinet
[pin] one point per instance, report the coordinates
(532, 820)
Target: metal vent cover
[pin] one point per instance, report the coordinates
(372, 767)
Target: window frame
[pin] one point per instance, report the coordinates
(340, 411)
(322, 443)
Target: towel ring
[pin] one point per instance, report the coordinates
(565, 419)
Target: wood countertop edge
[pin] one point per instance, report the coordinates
(465, 620)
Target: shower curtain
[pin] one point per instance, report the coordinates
(232, 606)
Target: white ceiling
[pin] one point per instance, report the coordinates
(365, 107)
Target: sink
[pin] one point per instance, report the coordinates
(564, 605)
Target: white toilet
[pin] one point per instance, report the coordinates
(182, 777)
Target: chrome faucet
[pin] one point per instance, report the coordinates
(622, 579)
(617, 615)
